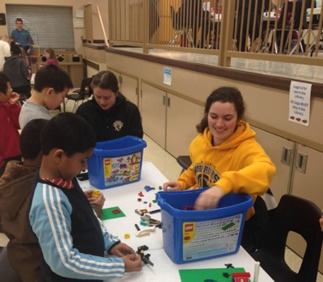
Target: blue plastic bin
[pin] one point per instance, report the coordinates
(190, 235)
(116, 162)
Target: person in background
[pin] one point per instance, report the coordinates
(249, 14)
(18, 72)
(73, 240)
(225, 155)
(51, 57)
(22, 36)
(321, 221)
(9, 112)
(110, 114)
(4, 50)
(51, 86)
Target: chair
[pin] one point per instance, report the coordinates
(81, 94)
(184, 162)
(190, 16)
(179, 25)
(300, 216)
(292, 25)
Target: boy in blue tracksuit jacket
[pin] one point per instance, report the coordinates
(74, 243)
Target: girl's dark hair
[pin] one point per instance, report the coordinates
(105, 80)
(3, 83)
(69, 132)
(223, 95)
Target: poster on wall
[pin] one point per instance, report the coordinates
(167, 76)
(300, 102)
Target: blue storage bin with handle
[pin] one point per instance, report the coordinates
(116, 162)
(191, 235)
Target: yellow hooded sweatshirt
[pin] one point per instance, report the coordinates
(238, 165)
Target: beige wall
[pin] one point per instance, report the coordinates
(76, 4)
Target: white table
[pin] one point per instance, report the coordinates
(164, 269)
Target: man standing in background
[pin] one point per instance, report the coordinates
(22, 36)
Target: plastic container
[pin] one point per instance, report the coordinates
(190, 235)
(116, 162)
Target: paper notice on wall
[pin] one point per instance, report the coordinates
(300, 102)
(167, 76)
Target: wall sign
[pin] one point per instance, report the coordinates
(167, 76)
(300, 102)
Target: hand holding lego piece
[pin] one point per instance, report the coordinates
(132, 263)
(95, 196)
(121, 250)
(209, 199)
(172, 186)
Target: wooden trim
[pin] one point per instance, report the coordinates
(277, 82)
(94, 46)
(91, 64)
(123, 73)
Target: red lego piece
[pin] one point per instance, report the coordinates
(240, 277)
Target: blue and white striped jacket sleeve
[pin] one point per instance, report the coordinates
(50, 220)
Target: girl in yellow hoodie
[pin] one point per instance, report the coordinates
(225, 155)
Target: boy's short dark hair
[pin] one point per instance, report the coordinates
(69, 132)
(30, 138)
(54, 77)
(3, 83)
(15, 49)
(19, 20)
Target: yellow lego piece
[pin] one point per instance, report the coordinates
(95, 193)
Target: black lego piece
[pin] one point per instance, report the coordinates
(144, 257)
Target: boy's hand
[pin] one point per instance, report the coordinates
(121, 250)
(97, 200)
(14, 98)
(132, 263)
(172, 186)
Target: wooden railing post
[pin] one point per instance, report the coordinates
(146, 26)
(226, 32)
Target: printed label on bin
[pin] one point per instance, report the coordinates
(122, 169)
(203, 239)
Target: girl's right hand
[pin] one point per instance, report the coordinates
(172, 186)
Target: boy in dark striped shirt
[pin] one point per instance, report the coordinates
(74, 243)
